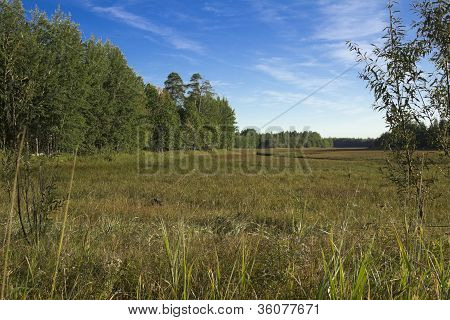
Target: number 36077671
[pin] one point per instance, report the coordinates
(288, 308)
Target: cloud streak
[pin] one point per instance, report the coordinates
(291, 73)
(267, 11)
(168, 34)
(350, 20)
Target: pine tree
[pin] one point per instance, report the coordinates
(175, 87)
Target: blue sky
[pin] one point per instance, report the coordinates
(263, 55)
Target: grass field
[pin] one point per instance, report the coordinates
(241, 224)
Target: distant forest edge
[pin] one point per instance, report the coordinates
(425, 138)
(69, 92)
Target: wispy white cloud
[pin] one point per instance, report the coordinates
(283, 99)
(318, 104)
(273, 101)
(268, 11)
(273, 68)
(141, 23)
(219, 9)
(221, 83)
(339, 51)
(350, 19)
(189, 59)
(280, 16)
(293, 73)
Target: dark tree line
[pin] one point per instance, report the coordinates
(423, 137)
(72, 93)
(250, 138)
(353, 142)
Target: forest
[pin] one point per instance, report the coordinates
(69, 92)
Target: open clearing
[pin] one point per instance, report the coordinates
(240, 224)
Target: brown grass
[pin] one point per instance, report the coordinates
(267, 227)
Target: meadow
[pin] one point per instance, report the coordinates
(240, 224)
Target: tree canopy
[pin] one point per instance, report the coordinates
(69, 92)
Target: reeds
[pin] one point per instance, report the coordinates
(177, 256)
(7, 241)
(63, 227)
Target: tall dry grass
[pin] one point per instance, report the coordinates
(337, 233)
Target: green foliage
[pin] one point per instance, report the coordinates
(423, 137)
(432, 30)
(164, 121)
(36, 197)
(71, 93)
(407, 95)
(353, 143)
(250, 138)
(175, 87)
(193, 119)
(18, 80)
(67, 92)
